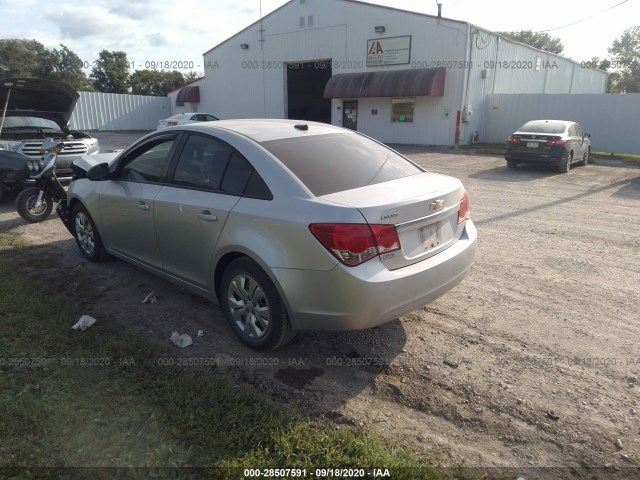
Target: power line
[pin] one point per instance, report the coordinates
(582, 20)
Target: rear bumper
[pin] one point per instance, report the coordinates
(370, 295)
(552, 157)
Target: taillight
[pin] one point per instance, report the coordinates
(465, 211)
(355, 243)
(556, 142)
(513, 140)
(172, 124)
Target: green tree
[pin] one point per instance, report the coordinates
(539, 40)
(67, 67)
(24, 58)
(155, 82)
(625, 59)
(110, 73)
(191, 76)
(29, 58)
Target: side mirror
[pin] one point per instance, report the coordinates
(99, 172)
(588, 135)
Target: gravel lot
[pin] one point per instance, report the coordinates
(531, 361)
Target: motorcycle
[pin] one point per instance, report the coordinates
(35, 202)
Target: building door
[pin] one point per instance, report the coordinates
(350, 114)
(305, 90)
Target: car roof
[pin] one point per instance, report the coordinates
(187, 114)
(563, 122)
(264, 130)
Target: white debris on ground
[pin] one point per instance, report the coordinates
(85, 322)
(181, 341)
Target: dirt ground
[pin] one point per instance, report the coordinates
(532, 361)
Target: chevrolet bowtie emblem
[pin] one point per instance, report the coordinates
(437, 204)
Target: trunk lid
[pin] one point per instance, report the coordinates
(423, 208)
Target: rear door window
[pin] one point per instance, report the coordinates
(207, 163)
(336, 162)
(202, 163)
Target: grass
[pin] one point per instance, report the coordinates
(99, 398)
(615, 155)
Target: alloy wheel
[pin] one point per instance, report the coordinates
(84, 233)
(249, 306)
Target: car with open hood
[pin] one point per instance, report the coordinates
(33, 109)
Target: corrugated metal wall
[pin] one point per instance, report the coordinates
(111, 111)
(499, 65)
(612, 120)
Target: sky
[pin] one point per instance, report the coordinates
(181, 31)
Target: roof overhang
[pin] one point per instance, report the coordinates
(392, 83)
(189, 94)
(35, 97)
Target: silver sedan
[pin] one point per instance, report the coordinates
(288, 225)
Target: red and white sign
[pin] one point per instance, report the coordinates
(388, 51)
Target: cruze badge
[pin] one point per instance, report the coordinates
(437, 204)
(389, 215)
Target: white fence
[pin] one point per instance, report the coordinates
(611, 119)
(111, 111)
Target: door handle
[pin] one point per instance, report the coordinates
(206, 216)
(143, 206)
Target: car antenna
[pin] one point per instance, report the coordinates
(302, 126)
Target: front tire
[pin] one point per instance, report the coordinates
(87, 236)
(253, 306)
(26, 205)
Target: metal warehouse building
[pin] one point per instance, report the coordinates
(395, 75)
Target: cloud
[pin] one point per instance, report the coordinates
(139, 11)
(156, 39)
(77, 23)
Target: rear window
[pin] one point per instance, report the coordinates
(341, 161)
(543, 127)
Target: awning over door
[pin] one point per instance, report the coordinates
(188, 94)
(392, 83)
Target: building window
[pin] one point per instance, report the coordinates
(310, 21)
(402, 110)
(301, 22)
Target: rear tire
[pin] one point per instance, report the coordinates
(565, 166)
(26, 201)
(87, 236)
(512, 164)
(253, 306)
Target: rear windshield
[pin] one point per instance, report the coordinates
(543, 127)
(339, 161)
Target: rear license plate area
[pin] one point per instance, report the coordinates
(430, 236)
(532, 144)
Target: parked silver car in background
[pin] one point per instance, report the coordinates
(288, 225)
(185, 119)
(550, 142)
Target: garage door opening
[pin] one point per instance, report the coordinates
(305, 91)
